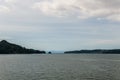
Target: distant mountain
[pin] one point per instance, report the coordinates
(9, 48)
(96, 51)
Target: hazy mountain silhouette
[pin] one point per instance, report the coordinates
(9, 48)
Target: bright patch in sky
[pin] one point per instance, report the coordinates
(61, 24)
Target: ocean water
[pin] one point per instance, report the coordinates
(60, 67)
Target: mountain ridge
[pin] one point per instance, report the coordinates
(10, 48)
(94, 51)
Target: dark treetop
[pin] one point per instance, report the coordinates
(9, 48)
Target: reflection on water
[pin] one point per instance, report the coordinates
(60, 67)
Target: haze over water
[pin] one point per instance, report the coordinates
(60, 67)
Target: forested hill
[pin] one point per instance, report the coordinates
(96, 51)
(9, 48)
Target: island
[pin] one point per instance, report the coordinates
(95, 51)
(49, 52)
(10, 48)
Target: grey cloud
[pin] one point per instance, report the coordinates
(84, 9)
(107, 9)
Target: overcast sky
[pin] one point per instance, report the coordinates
(61, 24)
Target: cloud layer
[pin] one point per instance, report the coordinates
(61, 23)
(104, 9)
(84, 9)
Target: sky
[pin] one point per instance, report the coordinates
(61, 24)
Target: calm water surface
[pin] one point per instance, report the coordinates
(60, 67)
